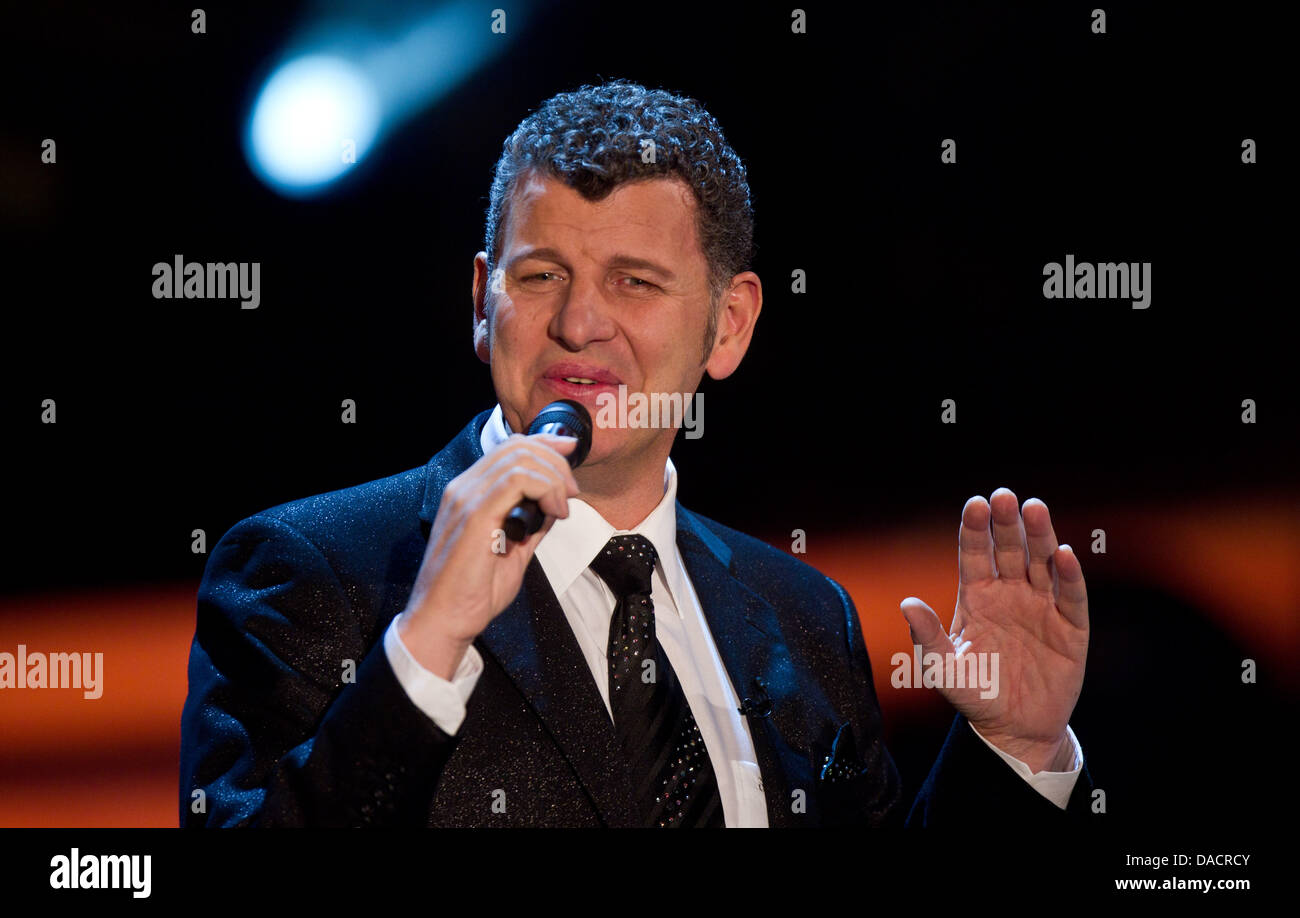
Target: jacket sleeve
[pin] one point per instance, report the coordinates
(970, 785)
(294, 716)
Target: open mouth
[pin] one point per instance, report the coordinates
(576, 378)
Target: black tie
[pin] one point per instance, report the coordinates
(672, 777)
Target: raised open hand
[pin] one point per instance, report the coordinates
(1020, 596)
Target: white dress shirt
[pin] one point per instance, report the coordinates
(565, 554)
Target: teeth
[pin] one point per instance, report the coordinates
(579, 379)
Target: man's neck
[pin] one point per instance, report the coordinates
(624, 499)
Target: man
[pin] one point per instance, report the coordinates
(381, 656)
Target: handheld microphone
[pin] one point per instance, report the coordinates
(563, 418)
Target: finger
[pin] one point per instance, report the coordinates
(556, 449)
(556, 442)
(526, 482)
(1041, 539)
(525, 476)
(928, 632)
(552, 450)
(539, 455)
(1071, 591)
(561, 444)
(925, 627)
(1008, 535)
(974, 544)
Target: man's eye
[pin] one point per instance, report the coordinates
(639, 283)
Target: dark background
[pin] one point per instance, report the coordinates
(924, 283)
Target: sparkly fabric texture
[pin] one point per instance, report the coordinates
(274, 737)
(667, 760)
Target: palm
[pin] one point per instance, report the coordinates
(1022, 597)
(1040, 658)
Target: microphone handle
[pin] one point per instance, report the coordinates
(525, 519)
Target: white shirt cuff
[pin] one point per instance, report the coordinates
(1056, 786)
(444, 702)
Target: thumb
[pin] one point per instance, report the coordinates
(925, 627)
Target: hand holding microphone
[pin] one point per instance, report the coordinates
(563, 418)
(469, 573)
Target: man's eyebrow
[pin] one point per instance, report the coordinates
(542, 254)
(615, 261)
(641, 264)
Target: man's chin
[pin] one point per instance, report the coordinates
(618, 449)
(603, 455)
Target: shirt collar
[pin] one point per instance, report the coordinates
(573, 543)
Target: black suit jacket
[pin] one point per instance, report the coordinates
(277, 732)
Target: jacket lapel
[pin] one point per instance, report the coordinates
(753, 649)
(454, 458)
(532, 641)
(536, 647)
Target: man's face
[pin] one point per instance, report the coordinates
(614, 291)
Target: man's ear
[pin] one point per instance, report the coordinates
(482, 324)
(737, 316)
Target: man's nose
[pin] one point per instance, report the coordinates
(583, 316)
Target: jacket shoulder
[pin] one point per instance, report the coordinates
(774, 574)
(366, 540)
(382, 510)
(356, 513)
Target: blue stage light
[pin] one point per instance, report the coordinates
(316, 117)
(349, 79)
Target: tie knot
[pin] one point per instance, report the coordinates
(626, 563)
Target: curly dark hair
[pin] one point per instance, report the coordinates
(591, 139)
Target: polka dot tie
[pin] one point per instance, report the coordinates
(672, 777)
